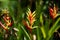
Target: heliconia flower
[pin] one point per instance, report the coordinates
(5, 28)
(31, 17)
(6, 17)
(31, 20)
(53, 12)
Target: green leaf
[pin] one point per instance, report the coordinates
(53, 28)
(43, 31)
(41, 19)
(42, 26)
(25, 32)
(38, 37)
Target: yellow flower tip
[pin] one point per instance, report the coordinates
(56, 16)
(5, 11)
(55, 10)
(33, 12)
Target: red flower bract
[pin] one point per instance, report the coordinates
(53, 12)
(27, 26)
(3, 26)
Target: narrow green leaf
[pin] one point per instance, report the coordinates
(53, 28)
(38, 37)
(41, 19)
(25, 32)
(43, 31)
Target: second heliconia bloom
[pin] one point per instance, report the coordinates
(53, 12)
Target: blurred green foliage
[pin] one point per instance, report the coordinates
(17, 11)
